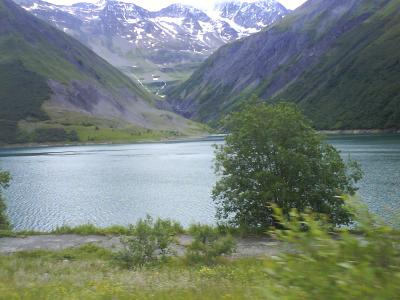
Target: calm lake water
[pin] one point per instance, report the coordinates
(118, 184)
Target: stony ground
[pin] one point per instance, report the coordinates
(246, 247)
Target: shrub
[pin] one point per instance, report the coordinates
(208, 244)
(273, 156)
(148, 242)
(42, 135)
(4, 182)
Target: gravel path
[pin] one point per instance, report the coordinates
(247, 247)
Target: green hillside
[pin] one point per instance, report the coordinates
(338, 60)
(31, 90)
(52, 88)
(356, 84)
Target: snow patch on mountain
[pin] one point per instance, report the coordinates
(174, 39)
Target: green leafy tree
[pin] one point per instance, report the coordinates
(4, 182)
(272, 155)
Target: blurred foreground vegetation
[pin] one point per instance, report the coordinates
(322, 263)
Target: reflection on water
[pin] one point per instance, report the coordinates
(117, 184)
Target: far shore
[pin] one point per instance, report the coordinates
(144, 141)
(188, 139)
(360, 131)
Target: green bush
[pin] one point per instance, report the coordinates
(208, 244)
(148, 242)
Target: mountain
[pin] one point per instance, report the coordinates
(249, 17)
(52, 88)
(337, 59)
(157, 47)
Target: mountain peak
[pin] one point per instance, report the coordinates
(251, 14)
(259, 3)
(179, 9)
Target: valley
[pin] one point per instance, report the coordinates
(157, 47)
(240, 151)
(156, 68)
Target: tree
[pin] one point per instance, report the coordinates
(272, 155)
(4, 181)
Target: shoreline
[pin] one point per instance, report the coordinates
(76, 144)
(354, 132)
(359, 131)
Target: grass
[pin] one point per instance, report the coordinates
(89, 272)
(91, 129)
(96, 134)
(118, 230)
(89, 229)
(321, 265)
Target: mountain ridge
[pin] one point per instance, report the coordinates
(154, 47)
(320, 35)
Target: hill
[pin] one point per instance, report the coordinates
(337, 59)
(52, 88)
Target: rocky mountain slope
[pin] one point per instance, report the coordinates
(52, 88)
(155, 47)
(338, 59)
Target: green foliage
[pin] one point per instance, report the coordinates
(42, 135)
(340, 265)
(273, 156)
(4, 182)
(89, 229)
(147, 243)
(208, 244)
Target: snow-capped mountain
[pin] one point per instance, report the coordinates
(162, 45)
(250, 16)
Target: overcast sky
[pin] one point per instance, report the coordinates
(158, 4)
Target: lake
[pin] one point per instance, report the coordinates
(118, 184)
